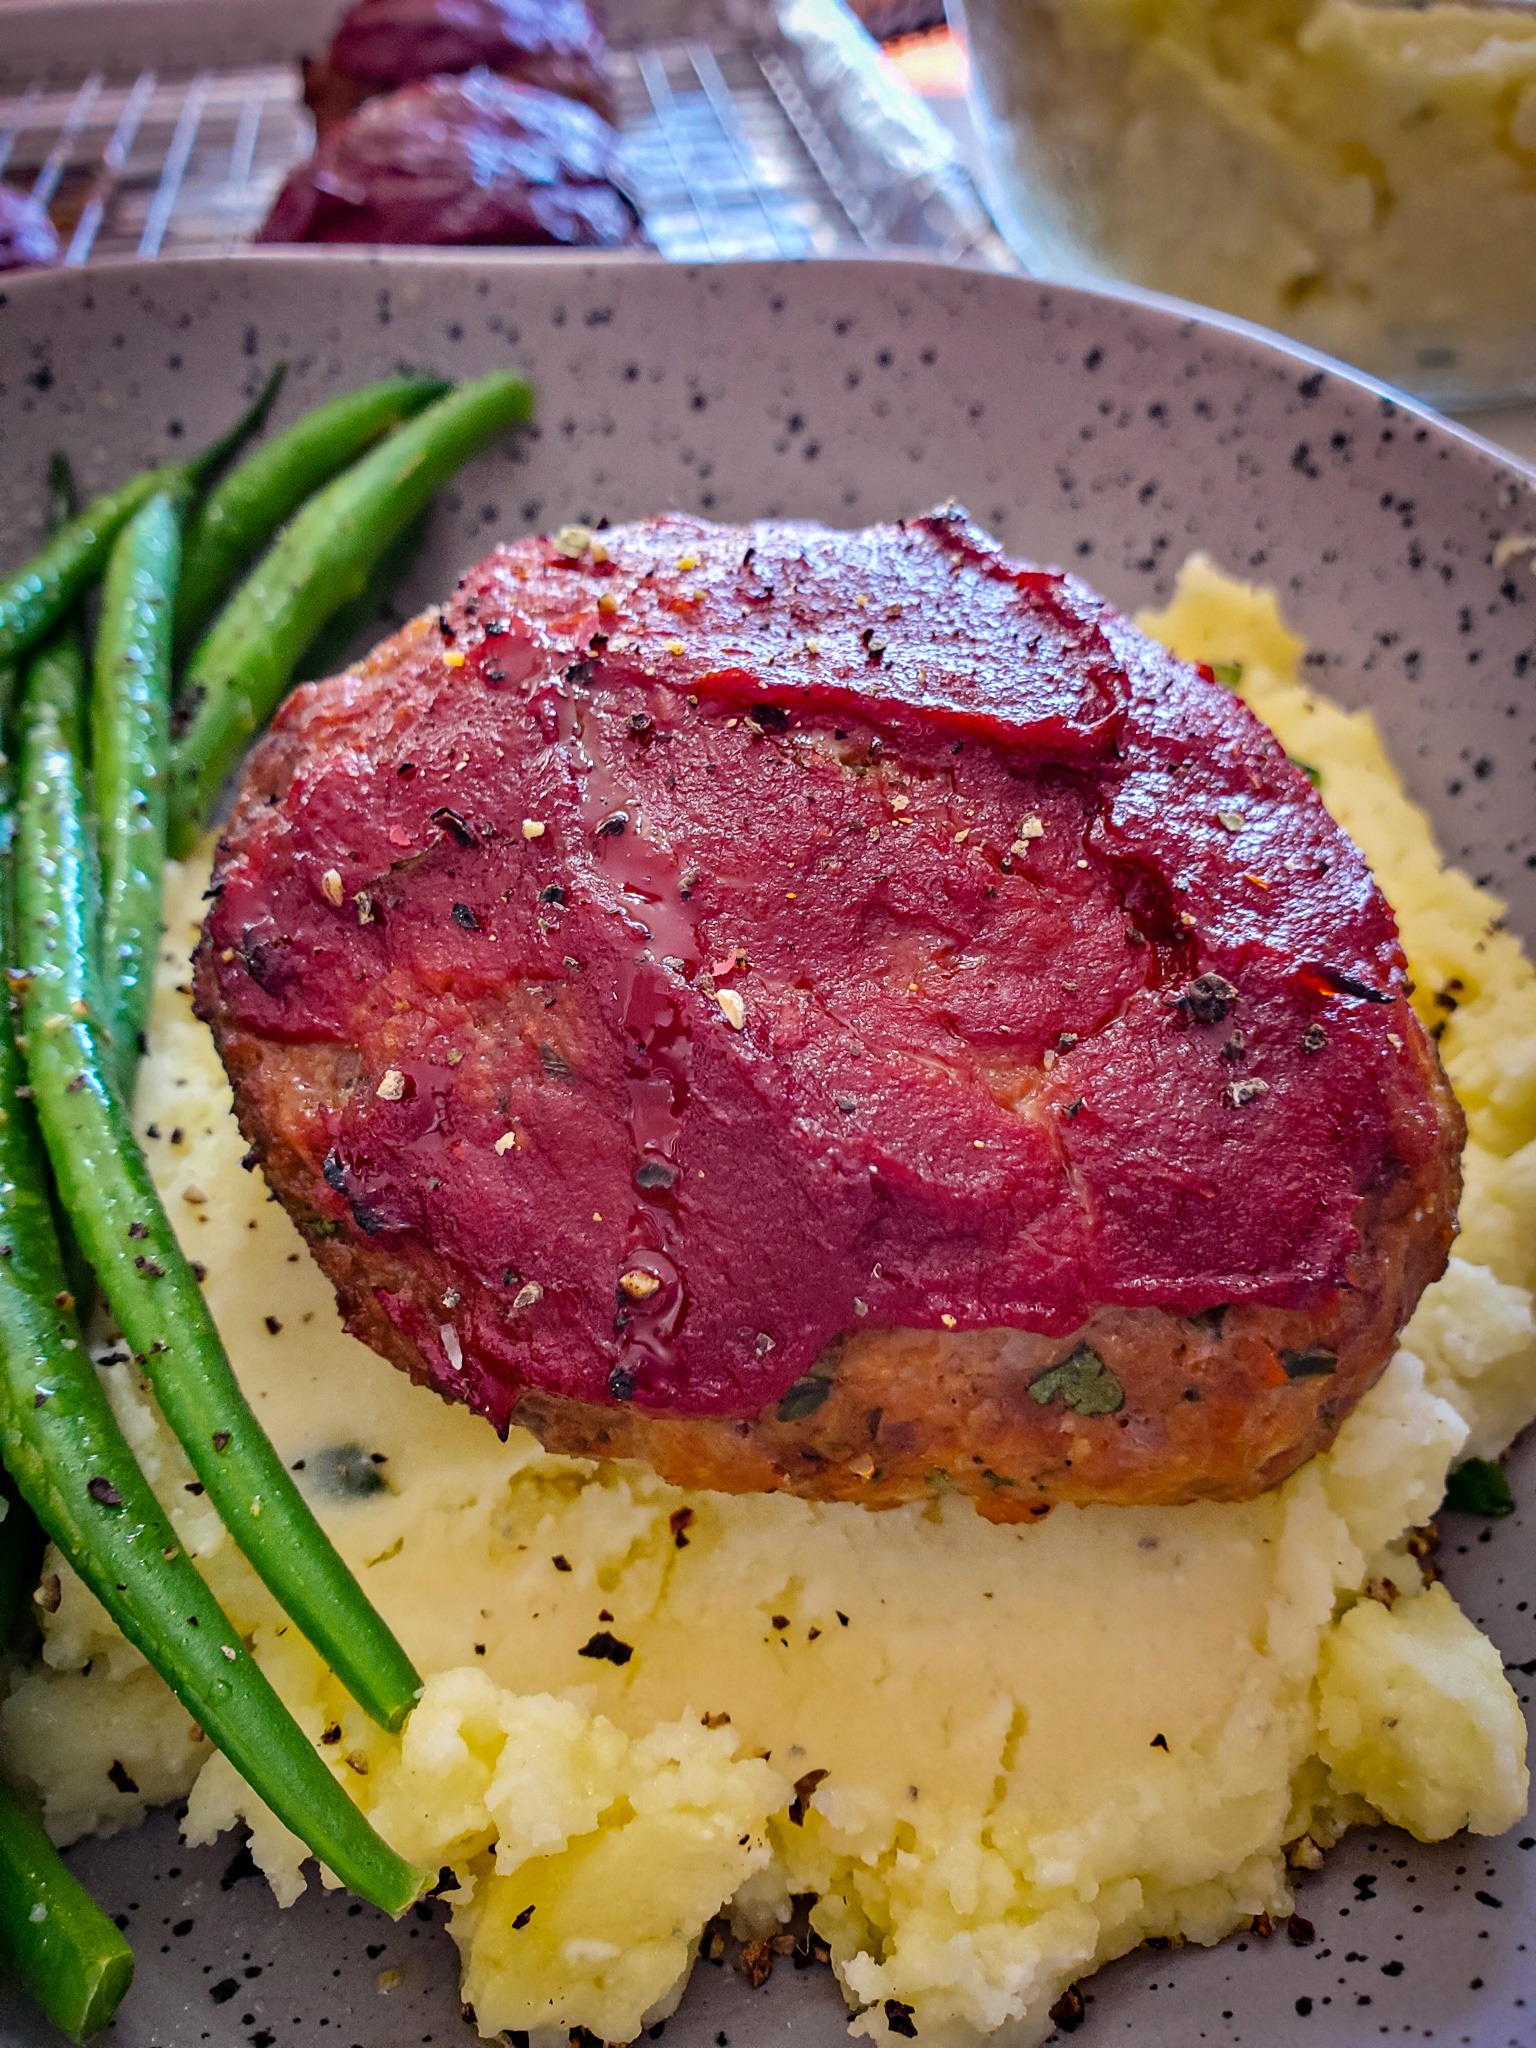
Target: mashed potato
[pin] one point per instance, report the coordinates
(1149, 1704)
(1358, 173)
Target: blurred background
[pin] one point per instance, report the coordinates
(1357, 174)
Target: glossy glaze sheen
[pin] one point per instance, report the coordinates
(390, 42)
(751, 934)
(380, 45)
(475, 159)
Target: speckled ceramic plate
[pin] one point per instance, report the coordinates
(1108, 434)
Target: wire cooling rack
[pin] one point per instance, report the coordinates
(735, 146)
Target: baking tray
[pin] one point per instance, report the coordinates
(750, 128)
(1083, 427)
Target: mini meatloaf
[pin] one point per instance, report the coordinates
(462, 161)
(380, 45)
(834, 1012)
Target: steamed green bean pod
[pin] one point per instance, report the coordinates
(361, 618)
(36, 597)
(71, 1469)
(240, 515)
(54, 1938)
(63, 504)
(62, 1445)
(130, 718)
(112, 1204)
(53, 683)
(65, 1450)
(320, 561)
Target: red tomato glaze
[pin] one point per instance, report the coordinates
(1056, 985)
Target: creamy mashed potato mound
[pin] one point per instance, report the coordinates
(1149, 1705)
(1359, 173)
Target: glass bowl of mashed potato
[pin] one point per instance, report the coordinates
(1360, 174)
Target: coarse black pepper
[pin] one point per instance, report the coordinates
(606, 1648)
(1240, 1093)
(1208, 999)
(454, 825)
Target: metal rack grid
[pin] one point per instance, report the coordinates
(143, 164)
(723, 151)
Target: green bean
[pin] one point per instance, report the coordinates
(53, 680)
(130, 750)
(57, 671)
(53, 1935)
(34, 600)
(332, 646)
(234, 523)
(320, 560)
(66, 1452)
(63, 504)
(37, 596)
(111, 1202)
(63, 1447)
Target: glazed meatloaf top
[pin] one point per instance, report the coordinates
(472, 160)
(820, 1009)
(381, 45)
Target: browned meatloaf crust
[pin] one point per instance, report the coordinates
(841, 1014)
